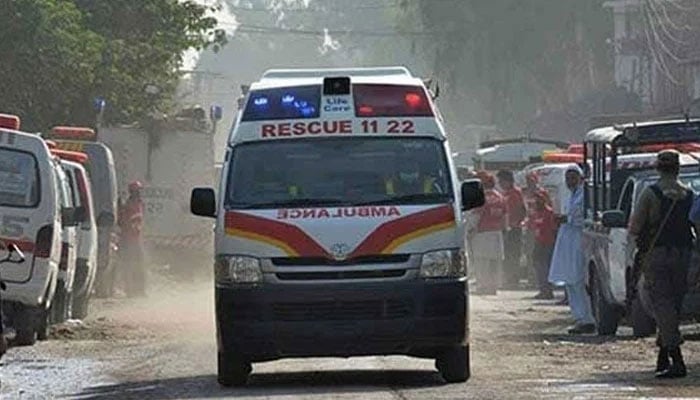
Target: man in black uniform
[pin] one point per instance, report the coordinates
(661, 219)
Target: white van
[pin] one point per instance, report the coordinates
(30, 216)
(67, 192)
(86, 262)
(339, 224)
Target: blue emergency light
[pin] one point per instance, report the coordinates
(283, 103)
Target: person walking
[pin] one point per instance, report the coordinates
(486, 236)
(542, 224)
(568, 266)
(512, 234)
(662, 228)
(131, 241)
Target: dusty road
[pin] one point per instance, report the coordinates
(163, 348)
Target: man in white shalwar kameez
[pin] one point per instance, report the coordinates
(568, 265)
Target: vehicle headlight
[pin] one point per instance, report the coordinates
(238, 269)
(444, 264)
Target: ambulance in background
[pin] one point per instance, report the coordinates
(86, 261)
(72, 214)
(340, 225)
(30, 217)
(102, 174)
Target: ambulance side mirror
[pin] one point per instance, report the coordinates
(614, 219)
(203, 202)
(472, 194)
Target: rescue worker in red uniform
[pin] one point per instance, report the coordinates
(131, 241)
(486, 226)
(513, 233)
(542, 223)
(531, 190)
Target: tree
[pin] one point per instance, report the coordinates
(144, 44)
(504, 61)
(49, 60)
(58, 55)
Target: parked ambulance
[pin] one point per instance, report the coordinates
(339, 224)
(102, 174)
(30, 217)
(74, 164)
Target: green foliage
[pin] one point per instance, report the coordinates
(503, 61)
(58, 55)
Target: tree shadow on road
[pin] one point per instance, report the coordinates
(266, 384)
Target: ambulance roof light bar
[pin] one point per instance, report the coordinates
(322, 73)
(78, 157)
(9, 121)
(73, 133)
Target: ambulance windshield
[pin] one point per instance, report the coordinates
(338, 172)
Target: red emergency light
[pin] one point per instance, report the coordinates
(73, 133)
(575, 149)
(75, 156)
(391, 101)
(9, 121)
(681, 147)
(552, 158)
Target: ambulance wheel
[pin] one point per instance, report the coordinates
(232, 370)
(60, 307)
(453, 364)
(81, 304)
(42, 323)
(607, 315)
(25, 327)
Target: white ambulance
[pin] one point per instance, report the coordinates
(30, 217)
(339, 224)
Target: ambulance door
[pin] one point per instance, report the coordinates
(618, 250)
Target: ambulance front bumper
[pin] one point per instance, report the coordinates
(272, 321)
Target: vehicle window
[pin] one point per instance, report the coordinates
(19, 179)
(75, 196)
(64, 191)
(337, 171)
(625, 203)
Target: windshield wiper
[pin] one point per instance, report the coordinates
(421, 198)
(299, 202)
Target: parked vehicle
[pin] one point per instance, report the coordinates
(68, 194)
(86, 262)
(315, 234)
(102, 174)
(30, 216)
(611, 195)
(13, 256)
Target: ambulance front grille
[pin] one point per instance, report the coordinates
(321, 261)
(335, 275)
(343, 310)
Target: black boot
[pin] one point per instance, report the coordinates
(662, 361)
(677, 369)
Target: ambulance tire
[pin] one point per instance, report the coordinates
(232, 370)
(454, 365)
(42, 323)
(60, 307)
(25, 327)
(81, 304)
(607, 316)
(643, 324)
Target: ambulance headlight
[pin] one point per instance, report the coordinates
(444, 264)
(238, 269)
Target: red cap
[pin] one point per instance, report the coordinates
(135, 185)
